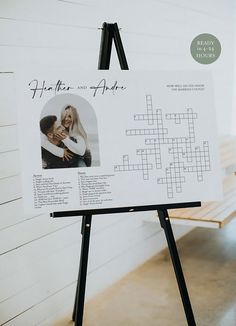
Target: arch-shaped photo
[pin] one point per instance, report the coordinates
(69, 133)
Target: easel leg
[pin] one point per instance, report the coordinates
(165, 224)
(81, 284)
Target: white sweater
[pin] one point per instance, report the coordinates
(77, 148)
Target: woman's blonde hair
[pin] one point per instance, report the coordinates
(76, 125)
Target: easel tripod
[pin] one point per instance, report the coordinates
(110, 32)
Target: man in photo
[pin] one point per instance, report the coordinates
(56, 135)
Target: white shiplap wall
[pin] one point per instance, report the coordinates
(233, 124)
(38, 255)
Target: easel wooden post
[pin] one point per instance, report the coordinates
(110, 32)
(78, 310)
(165, 224)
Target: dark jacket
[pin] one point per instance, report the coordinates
(54, 162)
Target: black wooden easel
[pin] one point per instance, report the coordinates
(110, 32)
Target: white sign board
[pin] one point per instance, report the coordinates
(95, 140)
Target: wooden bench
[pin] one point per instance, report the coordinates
(215, 214)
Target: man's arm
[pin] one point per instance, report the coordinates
(55, 150)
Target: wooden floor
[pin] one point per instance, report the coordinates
(149, 296)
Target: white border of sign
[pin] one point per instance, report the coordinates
(152, 138)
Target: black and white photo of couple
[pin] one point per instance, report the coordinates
(64, 141)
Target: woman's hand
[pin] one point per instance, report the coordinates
(67, 155)
(61, 135)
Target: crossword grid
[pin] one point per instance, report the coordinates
(185, 157)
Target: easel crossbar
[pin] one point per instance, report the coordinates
(124, 209)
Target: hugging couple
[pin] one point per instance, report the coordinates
(64, 143)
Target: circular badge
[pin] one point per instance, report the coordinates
(205, 48)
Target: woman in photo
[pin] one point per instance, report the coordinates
(74, 138)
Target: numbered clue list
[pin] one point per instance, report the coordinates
(48, 191)
(92, 190)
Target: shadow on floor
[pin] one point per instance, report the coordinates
(149, 295)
